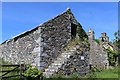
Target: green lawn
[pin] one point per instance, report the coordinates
(109, 73)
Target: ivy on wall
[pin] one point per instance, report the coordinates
(111, 57)
(81, 33)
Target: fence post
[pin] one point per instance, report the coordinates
(22, 68)
(20, 71)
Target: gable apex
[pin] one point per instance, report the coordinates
(66, 13)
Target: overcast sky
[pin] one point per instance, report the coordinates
(22, 16)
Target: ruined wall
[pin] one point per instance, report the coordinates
(78, 62)
(41, 45)
(56, 33)
(25, 48)
(98, 57)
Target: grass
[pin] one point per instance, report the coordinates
(108, 73)
(75, 42)
(72, 43)
(8, 68)
(1, 68)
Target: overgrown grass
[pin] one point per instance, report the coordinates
(72, 43)
(108, 73)
(4, 62)
(3, 68)
(61, 76)
(75, 42)
(8, 68)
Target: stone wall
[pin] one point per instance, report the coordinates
(25, 48)
(98, 56)
(78, 62)
(55, 35)
(41, 45)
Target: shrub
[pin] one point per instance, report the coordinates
(111, 57)
(97, 40)
(32, 72)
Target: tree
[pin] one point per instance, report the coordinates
(97, 40)
(117, 39)
(116, 42)
(111, 57)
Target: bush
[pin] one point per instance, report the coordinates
(97, 40)
(33, 72)
(111, 57)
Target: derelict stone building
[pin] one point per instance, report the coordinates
(44, 45)
(98, 55)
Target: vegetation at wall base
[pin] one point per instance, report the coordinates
(33, 73)
(60, 76)
(94, 73)
(106, 73)
(2, 61)
(109, 73)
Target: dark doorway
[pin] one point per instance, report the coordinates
(73, 30)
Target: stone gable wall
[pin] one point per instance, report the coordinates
(41, 45)
(98, 56)
(55, 35)
(75, 64)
